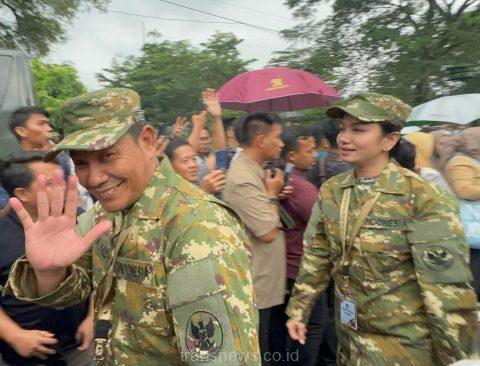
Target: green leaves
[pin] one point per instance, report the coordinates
(33, 26)
(169, 76)
(55, 84)
(395, 47)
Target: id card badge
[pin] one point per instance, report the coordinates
(348, 312)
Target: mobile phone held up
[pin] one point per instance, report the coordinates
(288, 172)
(271, 166)
(223, 159)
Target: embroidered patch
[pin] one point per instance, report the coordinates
(139, 116)
(386, 223)
(133, 271)
(204, 336)
(437, 258)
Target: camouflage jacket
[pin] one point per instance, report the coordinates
(183, 290)
(408, 272)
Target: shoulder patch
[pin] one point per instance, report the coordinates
(440, 262)
(438, 258)
(203, 336)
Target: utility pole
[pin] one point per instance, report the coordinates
(143, 33)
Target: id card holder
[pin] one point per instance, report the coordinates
(348, 312)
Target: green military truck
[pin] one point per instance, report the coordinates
(16, 90)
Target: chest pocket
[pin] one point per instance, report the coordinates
(331, 219)
(101, 255)
(384, 248)
(139, 306)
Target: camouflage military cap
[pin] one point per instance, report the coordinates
(372, 107)
(97, 120)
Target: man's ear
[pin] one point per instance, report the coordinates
(230, 132)
(291, 157)
(148, 140)
(20, 131)
(259, 140)
(20, 194)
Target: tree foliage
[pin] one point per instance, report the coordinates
(399, 47)
(33, 26)
(169, 76)
(54, 84)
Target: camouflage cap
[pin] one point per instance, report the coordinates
(96, 120)
(372, 107)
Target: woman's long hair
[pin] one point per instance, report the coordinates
(403, 151)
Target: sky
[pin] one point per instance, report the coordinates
(94, 38)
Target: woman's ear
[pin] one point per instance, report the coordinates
(391, 140)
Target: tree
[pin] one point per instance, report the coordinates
(399, 47)
(55, 84)
(33, 26)
(169, 76)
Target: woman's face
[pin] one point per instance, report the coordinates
(185, 164)
(362, 143)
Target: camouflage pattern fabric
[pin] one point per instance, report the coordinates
(408, 272)
(183, 288)
(372, 107)
(96, 120)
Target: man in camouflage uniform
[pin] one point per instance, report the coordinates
(169, 263)
(407, 271)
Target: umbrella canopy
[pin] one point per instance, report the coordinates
(276, 89)
(293, 116)
(410, 129)
(459, 109)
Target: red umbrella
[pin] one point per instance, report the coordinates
(276, 89)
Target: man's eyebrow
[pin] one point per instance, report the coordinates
(111, 149)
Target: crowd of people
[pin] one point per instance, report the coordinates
(238, 241)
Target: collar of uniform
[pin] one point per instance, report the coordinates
(155, 196)
(257, 168)
(348, 179)
(391, 180)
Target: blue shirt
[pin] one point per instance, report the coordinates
(4, 196)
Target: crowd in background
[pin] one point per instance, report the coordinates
(255, 178)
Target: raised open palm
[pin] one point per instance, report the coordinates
(51, 242)
(211, 101)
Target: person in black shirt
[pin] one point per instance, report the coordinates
(31, 334)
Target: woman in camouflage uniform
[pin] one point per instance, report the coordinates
(395, 247)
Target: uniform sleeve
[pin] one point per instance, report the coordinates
(75, 289)
(440, 254)
(210, 294)
(314, 275)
